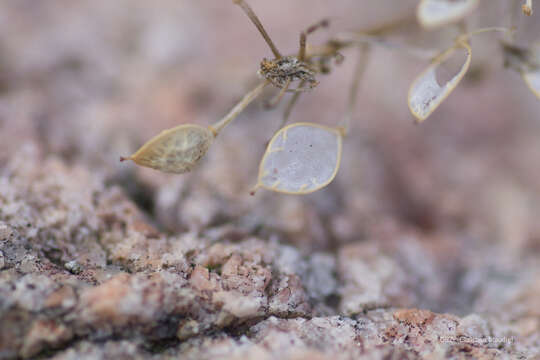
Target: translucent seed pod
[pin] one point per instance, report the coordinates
(532, 79)
(531, 74)
(301, 158)
(433, 86)
(176, 150)
(436, 13)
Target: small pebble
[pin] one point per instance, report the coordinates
(73, 267)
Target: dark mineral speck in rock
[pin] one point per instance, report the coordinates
(73, 267)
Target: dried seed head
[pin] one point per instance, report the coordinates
(287, 70)
(176, 150)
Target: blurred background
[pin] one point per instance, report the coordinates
(84, 82)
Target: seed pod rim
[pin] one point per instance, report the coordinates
(535, 49)
(339, 136)
(525, 78)
(449, 20)
(435, 63)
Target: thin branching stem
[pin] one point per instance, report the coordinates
(255, 20)
(359, 70)
(389, 27)
(512, 17)
(467, 36)
(373, 35)
(288, 110)
(276, 99)
(290, 106)
(334, 46)
(303, 35)
(238, 108)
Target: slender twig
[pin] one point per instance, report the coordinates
(274, 101)
(289, 107)
(255, 20)
(466, 36)
(388, 27)
(357, 40)
(238, 108)
(303, 35)
(359, 70)
(512, 19)
(288, 110)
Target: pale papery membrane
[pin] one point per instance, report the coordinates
(301, 158)
(532, 75)
(434, 13)
(427, 91)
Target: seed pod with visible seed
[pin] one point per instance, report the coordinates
(176, 150)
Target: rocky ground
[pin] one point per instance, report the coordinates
(426, 245)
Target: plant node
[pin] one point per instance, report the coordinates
(283, 71)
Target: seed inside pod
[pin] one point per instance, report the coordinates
(177, 150)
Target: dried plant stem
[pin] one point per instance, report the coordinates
(288, 110)
(467, 36)
(334, 46)
(389, 27)
(527, 8)
(290, 106)
(373, 35)
(359, 70)
(238, 108)
(511, 19)
(419, 53)
(303, 35)
(255, 20)
(275, 100)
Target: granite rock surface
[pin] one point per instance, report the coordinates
(426, 245)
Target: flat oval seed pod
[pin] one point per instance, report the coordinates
(531, 75)
(434, 13)
(175, 150)
(532, 79)
(301, 158)
(426, 92)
